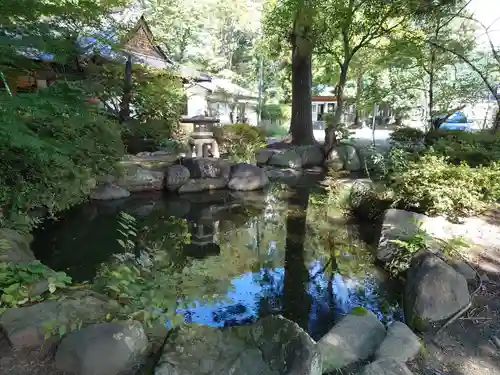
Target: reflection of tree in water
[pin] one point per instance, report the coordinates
(296, 300)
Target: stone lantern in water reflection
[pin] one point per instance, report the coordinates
(203, 237)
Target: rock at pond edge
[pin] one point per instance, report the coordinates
(15, 247)
(26, 326)
(354, 338)
(176, 176)
(203, 184)
(434, 291)
(108, 191)
(271, 346)
(386, 366)
(400, 343)
(246, 177)
(102, 349)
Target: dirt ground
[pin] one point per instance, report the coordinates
(471, 345)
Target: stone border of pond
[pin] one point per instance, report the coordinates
(159, 171)
(437, 290)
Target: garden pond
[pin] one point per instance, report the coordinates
(227, 258)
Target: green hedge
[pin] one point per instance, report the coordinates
(239, 141)
(475, 149)
(53, 143)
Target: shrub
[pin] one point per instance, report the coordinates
(433, 186)
(479, 148)
(53, 144)
(239, 141)
(409, 139)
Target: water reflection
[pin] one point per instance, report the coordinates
(252, 254)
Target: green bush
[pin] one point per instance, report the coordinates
(475, 149)
(53, 143)
(239, 141)
(433, 186)
(410, 139)
(277, 130)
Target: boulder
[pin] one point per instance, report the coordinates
(400, 343)
(207, 167)
(137, 179)
(26, 326)
(272, 346)
(434, 291)
(397, 225)
(289, 158)
(464, 269)
(386, 366)
(334, 160)
(311, 155)
(263, 155)
(176, 176)
(297, 157)
(15, 247)
(247, 177)
(282, 174)
(349, 156)
(108, 192)
(354, 338)
(102, 349)
(203, 184)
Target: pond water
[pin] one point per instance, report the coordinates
(233, 257)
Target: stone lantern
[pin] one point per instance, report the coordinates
(202, 135)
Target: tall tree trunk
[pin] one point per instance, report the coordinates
(124, 114)
(301, 121)
(431, 87)
(359, 90)
(330, 137)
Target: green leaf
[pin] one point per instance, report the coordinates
(359, 311)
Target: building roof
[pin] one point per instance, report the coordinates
(225, 85)
(138, 42)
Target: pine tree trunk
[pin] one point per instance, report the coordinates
(301, 121)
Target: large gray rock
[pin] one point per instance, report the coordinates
(137, 179)
(203, 184)
(288, 158)
(354, 338)
(272, 346)
(397, 225)
(312, 156)
(207, 167)
(15, 247)
(247, 177)
(176, 176)
(108, 192)
(26, 326)
(334, 160)
(263, 155)
(386, 366)
(102, 349)
(283, 174)
(434, 291)
(400, 343)
(297, 157)
(350, 157)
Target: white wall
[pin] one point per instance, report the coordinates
(196, 100)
